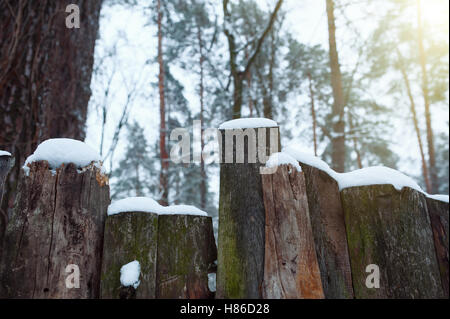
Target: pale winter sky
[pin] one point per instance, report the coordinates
(137, 44)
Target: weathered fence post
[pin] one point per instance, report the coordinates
(5, 166)
(240, 272)
(391, 229)
(438, 211)
(54, 240)
(328, 225)
(128, 237)
(176, 252)
(291, 270)
(186, 254)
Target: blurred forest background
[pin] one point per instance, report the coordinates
(358, 83)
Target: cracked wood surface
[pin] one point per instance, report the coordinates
(328, 225)
(58, 220)
(291, 270)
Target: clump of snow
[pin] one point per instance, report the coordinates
(278, 159)
(61, 151)
(248, 123)
(4, 153)
(378, 175)
(148, 205)
(129, 274)
(308, 159)
(441, 198)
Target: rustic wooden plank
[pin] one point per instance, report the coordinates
(392, 230)
(439, 222)
(186, 254)
(291, 269)
(240, 270)
(129, 237)
(328, 225)
(58, 220)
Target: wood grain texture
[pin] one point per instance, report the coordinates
(328, 225)
(439, 222)
(186, 254)
(240, 270)
(58, 220)
(291, 270)
(129, 237)
(392, 230)
(5, 166)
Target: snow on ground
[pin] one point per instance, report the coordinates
(278, 159)
(129, 274)
(248, 123)
(4, 153)
(61, 151)
(148, 205)
(377, 175)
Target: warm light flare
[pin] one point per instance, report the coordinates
(435, 13)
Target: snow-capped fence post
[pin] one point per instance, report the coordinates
(174, 245)
(53, 242)
(5, 166)
(439, 217)
(389, 234)
(245, 147)
(291, 269)
(129, 237)
(328, 225)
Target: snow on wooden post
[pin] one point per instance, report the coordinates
(328, 225)
(390, 230)
(53, 242)
(245, 147)
(438, 210)
(291, 269)
(174, 245)
(5, 166)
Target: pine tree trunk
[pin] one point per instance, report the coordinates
(176, 253)
(163, 177)
(186, 254)
(45, 76)
(415, 121)
(426, 97)
(291, 270)
(58, 220)
(129, 237)
(5, 166)
(439, 222)
(240, 270)
(338, 140)
(328, 225)
(391, 229)
(313, 114)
